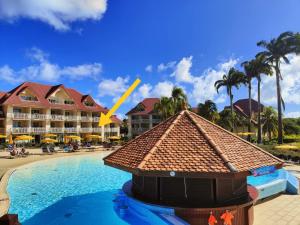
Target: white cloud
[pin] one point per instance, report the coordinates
(149, 68)
(290, 85)
(182, 71)
(292, 115)
(163, 89)
(114, 88)
(44, 70)
(58, 14)
(163, 67)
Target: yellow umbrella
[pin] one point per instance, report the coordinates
(114, 138)
(245, 133)
(2, 136)
(286, 147)
(10, 141)
(50, 135)
(24, 138)
(49, 140)
(93, 136)
(73, 137)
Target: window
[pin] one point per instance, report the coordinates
(28, 98)
(35, 111)
(17, 110)
(90, 104)
(17, 124)
(69, 102)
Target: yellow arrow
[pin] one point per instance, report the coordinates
(105, 119)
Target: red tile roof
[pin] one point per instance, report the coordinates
(42, 91)
(147, 104)
(242, 107)
(187, 143)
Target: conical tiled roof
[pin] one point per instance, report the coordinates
(187, 143)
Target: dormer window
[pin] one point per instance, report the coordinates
(89, 104)
(69, 102)
(29, 98)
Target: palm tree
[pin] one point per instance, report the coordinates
(276, 50)
(234, 78)
(270, 121)
(248, 68)
(260, 66)
(209, 111)
(179, 99)
(164, 107)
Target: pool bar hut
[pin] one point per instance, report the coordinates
(193, 166)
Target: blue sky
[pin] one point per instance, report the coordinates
(101, 47)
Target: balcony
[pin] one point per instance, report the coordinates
(139, 130)
(71, 118)
(70, 130)
(56, 117)
(97, 130)
(38, 130)
(21, 116)
(86, 130)
(86, 119)
(95, 119)
(37, 116)
(112, 129)
(20, 130)
(56, 130)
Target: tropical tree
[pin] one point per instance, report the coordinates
(179, 99)
(260, 66)
(209, 111)
(270, 121)
(276, 51)
(249, 74)
(234, 78)
(164, 107)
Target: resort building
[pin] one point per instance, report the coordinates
(37, 109)
(194, 167)
(142, 117)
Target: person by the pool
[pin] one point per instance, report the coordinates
(227, 217)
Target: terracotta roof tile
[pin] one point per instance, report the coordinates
(148, 107)
(187, 142)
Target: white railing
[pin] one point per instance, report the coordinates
(56, 117)
(38, 130)
(56, 130)
(95, 119)
(21, 116)
(86, 130)
(20, 130)
(86, 119)
(37, 116)
(97, 130)
(70, 129)
(139, 130)
(111, 129)
(71, 118)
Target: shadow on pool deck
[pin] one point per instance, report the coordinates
(88, 209)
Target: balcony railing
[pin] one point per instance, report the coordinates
(21, 116)
(97, 130)
(111, 129)
(70, 129)
(86, 130)
(38, 130)
(139, 130)
(57, 117)
(95, 119)
(37, 116)
(86, 119)
(56, 130)
(20, 130)
(71, 118)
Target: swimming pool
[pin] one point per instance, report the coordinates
(68, 191)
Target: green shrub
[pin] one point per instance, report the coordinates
(291, 138)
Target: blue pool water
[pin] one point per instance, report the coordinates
(263, 179)
(68, 191)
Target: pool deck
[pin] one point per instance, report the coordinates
(282, 210)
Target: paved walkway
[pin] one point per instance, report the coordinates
(282, 210)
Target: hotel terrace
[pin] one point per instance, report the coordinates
(37, 109)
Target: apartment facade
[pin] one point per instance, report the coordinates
(142, 117)
(37, 109)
